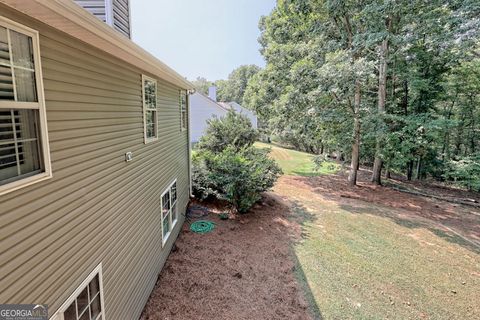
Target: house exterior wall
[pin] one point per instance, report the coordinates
(202, 109)
(97, 208)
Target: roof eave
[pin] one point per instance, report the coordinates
(70, 18)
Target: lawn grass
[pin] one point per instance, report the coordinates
(364, 262)
(361, 260)
(298, 163)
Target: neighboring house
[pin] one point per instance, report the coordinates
(204, 108)
(238, 108)
(94, 162)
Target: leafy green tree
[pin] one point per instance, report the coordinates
(465, 171)
(312, 85)
(234, 87)
(201, 85)
(376, 81)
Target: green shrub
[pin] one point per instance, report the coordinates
(236, 175)
(234, 130)
(465, 172)
(227, 166)
(202, 185)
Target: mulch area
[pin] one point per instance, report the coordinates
(243, 269)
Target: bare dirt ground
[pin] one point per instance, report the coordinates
(241, 270)
(459, 222)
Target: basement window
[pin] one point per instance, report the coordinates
(86, 303)
(169, 210)
(149, 87)
(24, 150)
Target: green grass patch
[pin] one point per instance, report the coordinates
(367, 261)
(298, 163)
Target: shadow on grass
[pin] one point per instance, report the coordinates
(307, 290)
(412, 224)
(302, 217)
(306, 173)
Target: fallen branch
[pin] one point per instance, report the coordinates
(467, 202)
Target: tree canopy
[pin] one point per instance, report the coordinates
(392, 84)
(234, 87)
(231, 89)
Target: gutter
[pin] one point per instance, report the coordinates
(70, 18)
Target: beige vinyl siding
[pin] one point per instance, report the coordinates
(96, 208)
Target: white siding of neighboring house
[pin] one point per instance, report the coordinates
(250, 114)
(202, 109)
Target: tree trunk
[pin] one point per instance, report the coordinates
(419, 168)
(352, 177)
(446, 138)
(410, 170)
(472, 126)
(405, 97)
(387, 173)
(382, 93)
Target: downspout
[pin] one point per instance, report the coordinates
(190, 92)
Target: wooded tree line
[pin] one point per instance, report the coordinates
(390, 84)
(232, 88)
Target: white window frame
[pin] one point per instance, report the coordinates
(97, 271)
(40, 106)
(145, 109)
(172, 222)
(183, 109)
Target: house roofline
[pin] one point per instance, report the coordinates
(217, 103)
(72, 19)
(246, 109)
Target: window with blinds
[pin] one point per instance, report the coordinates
(22, 153)
(150, 108)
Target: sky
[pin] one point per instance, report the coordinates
(207, 38)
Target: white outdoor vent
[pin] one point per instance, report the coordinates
(115, 13)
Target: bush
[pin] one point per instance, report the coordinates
(202, 185)
(234, 130)
(465, 172)
(236, 176)
(227, 166)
